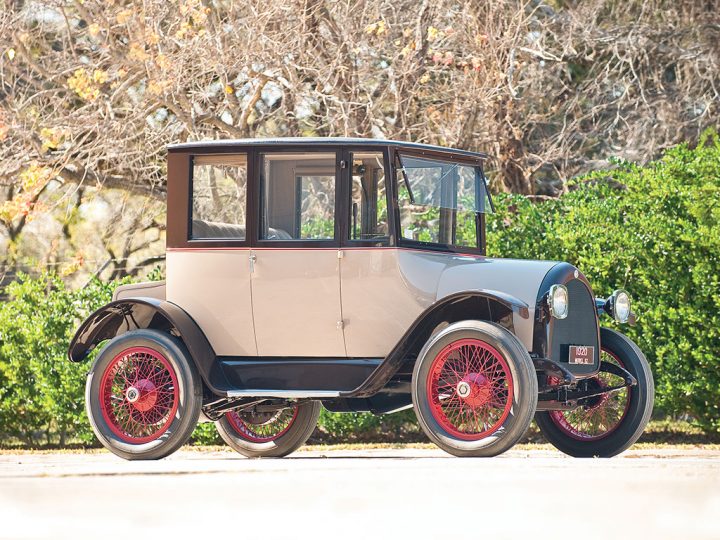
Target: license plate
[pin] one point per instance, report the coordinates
(582, 355)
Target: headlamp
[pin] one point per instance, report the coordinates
(559, 301)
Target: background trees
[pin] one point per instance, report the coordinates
(92, 91)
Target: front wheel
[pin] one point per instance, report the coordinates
(269, 433)
(605, 425)
(474, 389)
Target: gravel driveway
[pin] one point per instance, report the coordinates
(368, 494)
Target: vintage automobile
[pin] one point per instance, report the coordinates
(351, 274)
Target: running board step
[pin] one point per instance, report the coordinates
(286, 394)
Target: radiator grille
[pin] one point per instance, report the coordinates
(579, 328)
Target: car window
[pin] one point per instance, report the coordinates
(219, 189)
(297, 196)
(440, 201)
(368, 203)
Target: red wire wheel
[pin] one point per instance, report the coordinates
(262, 427)
(600, 415)
(139, 395)
(470, 388)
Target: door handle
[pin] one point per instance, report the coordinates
(252, 259)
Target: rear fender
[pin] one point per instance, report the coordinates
(121, 316)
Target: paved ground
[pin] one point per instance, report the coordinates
(369, 494)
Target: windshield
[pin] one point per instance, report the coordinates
(440, 201)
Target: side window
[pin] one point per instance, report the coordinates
(219, 189)
(439, 201)
(368, 201)
(469, 204)
(297, 197)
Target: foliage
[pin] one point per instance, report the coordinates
(317, 228)
(41, 392)
(93, 91)
(360, 427)
(513, 76)
(205, 434)
(655, 231)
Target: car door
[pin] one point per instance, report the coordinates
(377, 303)
(295, 274)
(207, 266)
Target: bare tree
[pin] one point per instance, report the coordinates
(92, 91)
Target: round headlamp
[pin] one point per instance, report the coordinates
(558, 301)
(620, 306)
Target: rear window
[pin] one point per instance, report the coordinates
(219, 194)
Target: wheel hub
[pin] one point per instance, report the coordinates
(463, 389)
(142, 395)
(260, 418)
(475, 389)
(132, 394)
(595, 402)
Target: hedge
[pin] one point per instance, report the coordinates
(654, 230)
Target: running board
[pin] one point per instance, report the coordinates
(285, 394)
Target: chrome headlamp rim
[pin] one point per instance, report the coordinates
(556, 310)
(620, 317)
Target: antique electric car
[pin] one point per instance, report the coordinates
(351, 274)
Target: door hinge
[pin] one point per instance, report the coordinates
(343, 164)
(340, 325)
(340, 254)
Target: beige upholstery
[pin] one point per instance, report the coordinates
(215, 229)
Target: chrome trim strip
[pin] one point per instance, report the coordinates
(284, 393)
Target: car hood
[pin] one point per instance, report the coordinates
(521, 279)
(518, 278)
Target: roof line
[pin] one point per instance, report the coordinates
(321, 141)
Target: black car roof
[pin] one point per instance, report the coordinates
(320, 141)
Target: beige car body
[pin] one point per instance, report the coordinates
(267, 308)
(304, 302)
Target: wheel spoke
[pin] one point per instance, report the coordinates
(598, 416)
(262, 427)
(152, 376)
(470, 389)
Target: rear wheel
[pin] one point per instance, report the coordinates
(272, 433)
(474, 389)
(143, 395)
(605, 425)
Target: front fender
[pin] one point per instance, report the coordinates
(499, 307)
(121, 316)
(511, 302)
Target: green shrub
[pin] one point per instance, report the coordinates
(205, 434)
(366, 427)
(655, 231)
(41, 392)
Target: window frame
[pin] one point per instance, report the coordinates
(191, 177)
(388, 241)
(481, 248)
(179, 198)
(257, 214)
(179, 207)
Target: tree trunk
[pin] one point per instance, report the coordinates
(511, 152)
